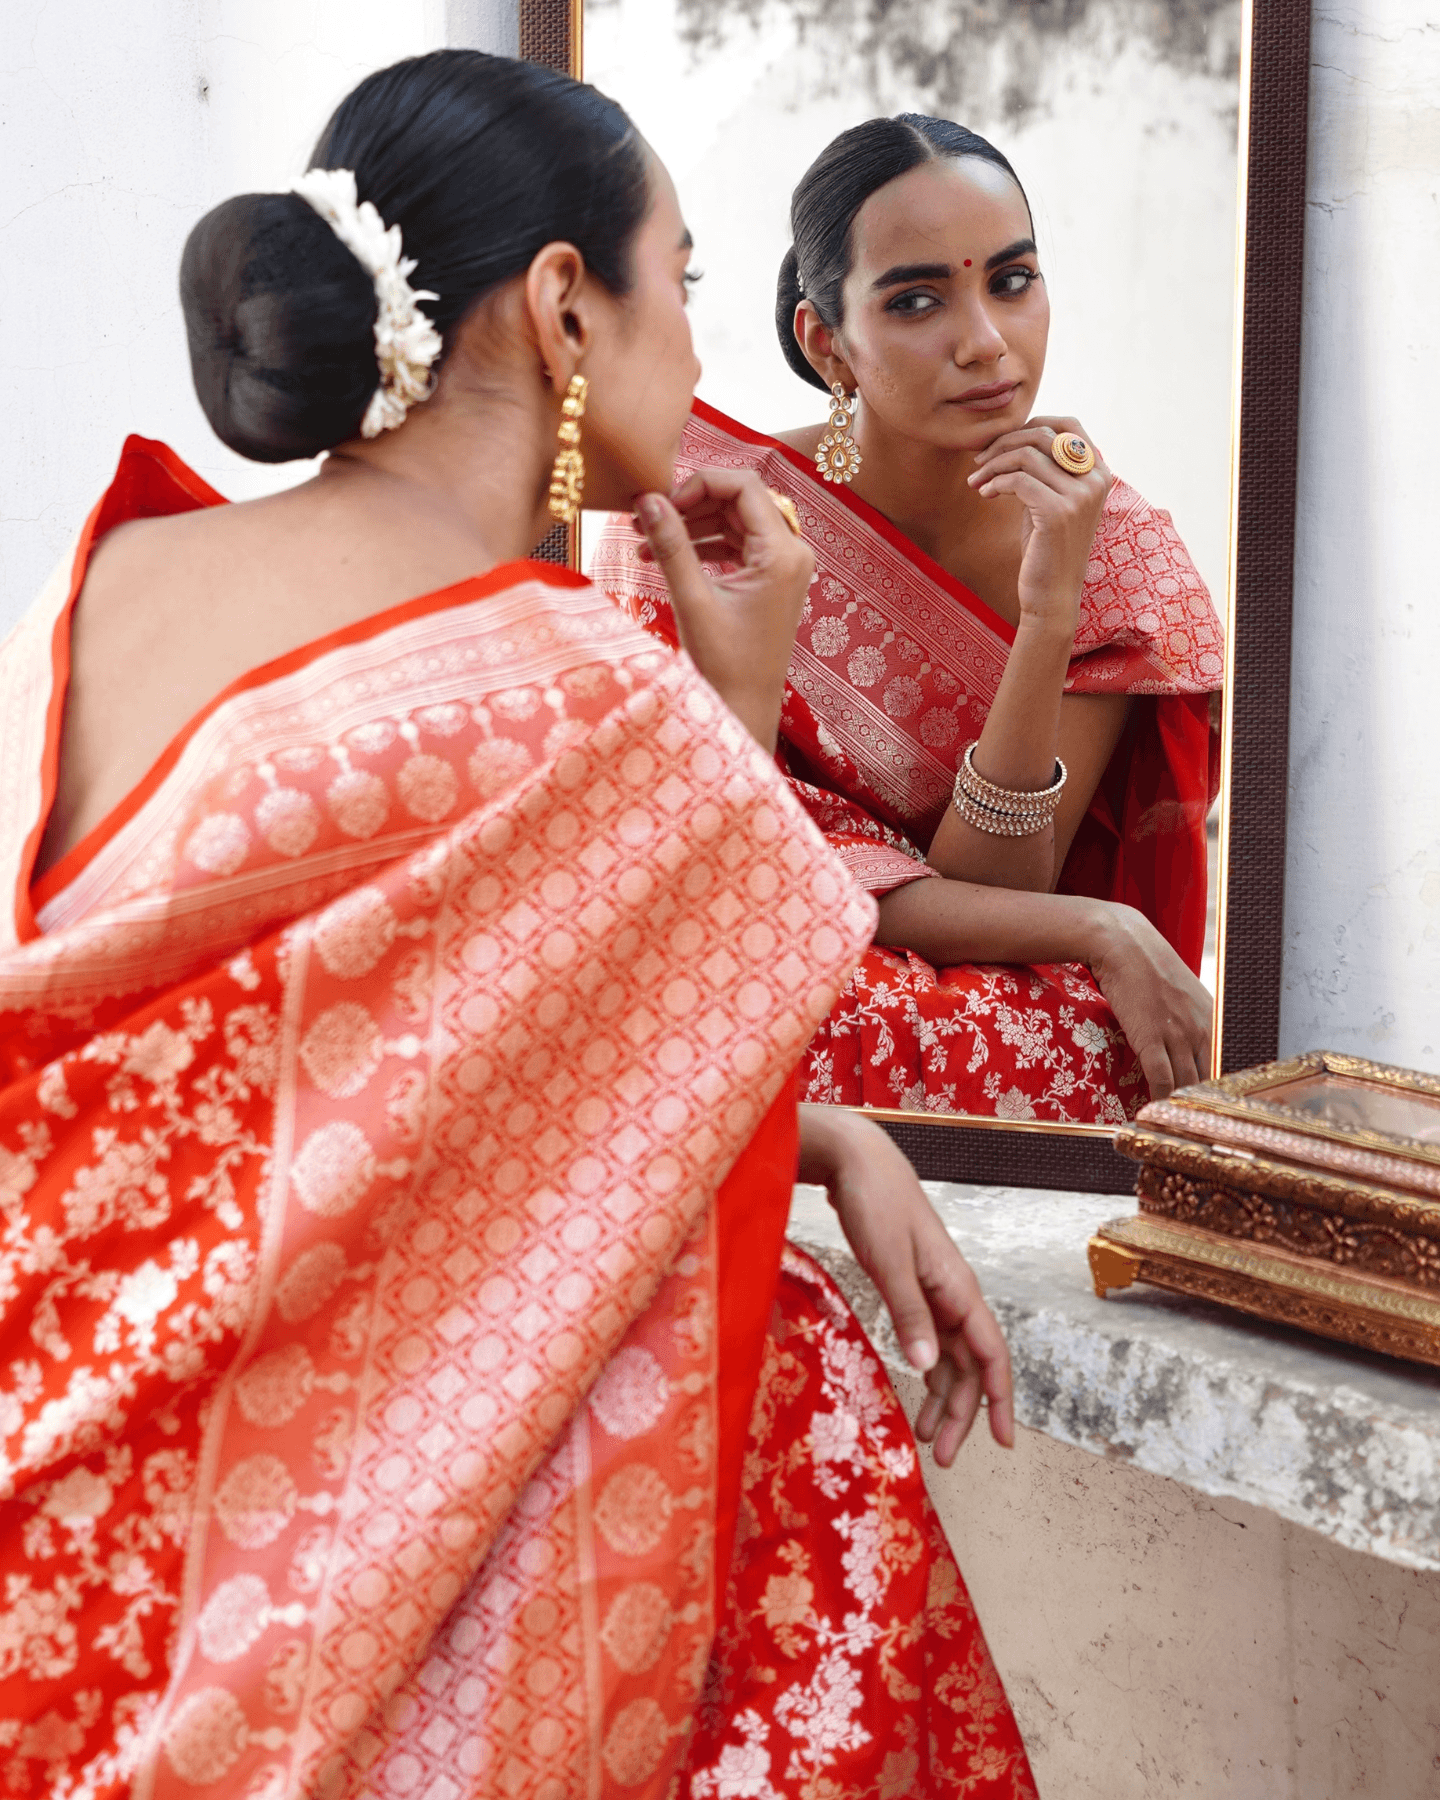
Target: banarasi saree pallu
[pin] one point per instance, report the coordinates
(397, 1130)
(895, 668)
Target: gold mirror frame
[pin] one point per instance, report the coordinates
(1274, 94)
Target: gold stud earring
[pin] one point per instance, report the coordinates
(838, 456)
(567, 477)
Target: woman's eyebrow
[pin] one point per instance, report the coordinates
(1021, 247)
(903, 272)
(687, 242)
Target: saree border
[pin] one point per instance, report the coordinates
(1274, 103)
(33, 893)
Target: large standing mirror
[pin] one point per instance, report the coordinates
(1162, 153)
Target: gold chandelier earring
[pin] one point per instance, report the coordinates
(838, 456)
(567, 477)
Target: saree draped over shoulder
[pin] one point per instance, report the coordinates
(895, 668)
(397, 1129)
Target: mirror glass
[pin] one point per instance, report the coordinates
(1121, 120)
(1365, 1105)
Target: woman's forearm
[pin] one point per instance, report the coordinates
(950, 922)
(1016, 750)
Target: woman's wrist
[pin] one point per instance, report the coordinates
(1050, 632)
(1109, 926)
(826, 1133)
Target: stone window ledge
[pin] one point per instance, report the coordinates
(1339, 1440)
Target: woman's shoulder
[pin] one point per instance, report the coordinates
(1126, 504)
(1142, 590)
(1133, 534)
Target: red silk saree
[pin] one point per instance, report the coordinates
(895, 667)
(397, 1132)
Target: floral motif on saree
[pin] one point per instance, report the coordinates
(896, 665)
(850, 1661)
(396, 1135)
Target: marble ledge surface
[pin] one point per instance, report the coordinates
(1339, 1440)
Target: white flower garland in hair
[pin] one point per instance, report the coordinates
(406, 343)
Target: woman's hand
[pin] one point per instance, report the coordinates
(738, 628)
(1165, 1013)
(1061, 514)
(944, 1326)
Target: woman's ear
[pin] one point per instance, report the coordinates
(820, 346)
(557, 299)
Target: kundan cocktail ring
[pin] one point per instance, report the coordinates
(1072, 453)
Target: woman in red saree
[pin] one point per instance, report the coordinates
(969, 590)
(405, 1388)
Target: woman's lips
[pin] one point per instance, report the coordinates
(993, 398)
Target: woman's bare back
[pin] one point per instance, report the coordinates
(175, 609)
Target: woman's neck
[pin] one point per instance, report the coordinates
(923, 490)
(436, 475)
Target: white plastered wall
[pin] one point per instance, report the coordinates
(1362, 897)
(120, 125)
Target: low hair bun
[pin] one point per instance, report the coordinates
(478, 162)
(788, 295)
(281, 322)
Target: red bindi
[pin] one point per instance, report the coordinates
(967, 262)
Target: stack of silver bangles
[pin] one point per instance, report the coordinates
(1004, 812)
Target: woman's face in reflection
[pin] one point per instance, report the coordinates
(946, 316)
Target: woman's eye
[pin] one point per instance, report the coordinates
(689, 278)
(913, 304)
(1014, 281)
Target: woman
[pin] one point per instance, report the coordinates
(974, 589)
(403, 1392)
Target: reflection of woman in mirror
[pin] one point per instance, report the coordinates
(974, 589)
(397, 1143)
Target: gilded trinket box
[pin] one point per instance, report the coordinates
(1306, 1192)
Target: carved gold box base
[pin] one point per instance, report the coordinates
(1305, 1192)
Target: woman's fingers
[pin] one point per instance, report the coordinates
(1055, 425)
(1183, 1065)
(1020, 482)
(717, 491)
(937, 1393)
(737, 628)
(711, 536)
(962, 1403)
(1042, 433)
(909, 1310)
(1036, 435)
(1035, 462)
(732, 516)
(955, 1387)
(1159, 1074)
(933, 1298)
(669, 544)
(970, 1333)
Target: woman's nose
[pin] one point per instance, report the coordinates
(981, 340)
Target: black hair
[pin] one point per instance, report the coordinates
(830, 193)
(480, 160)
